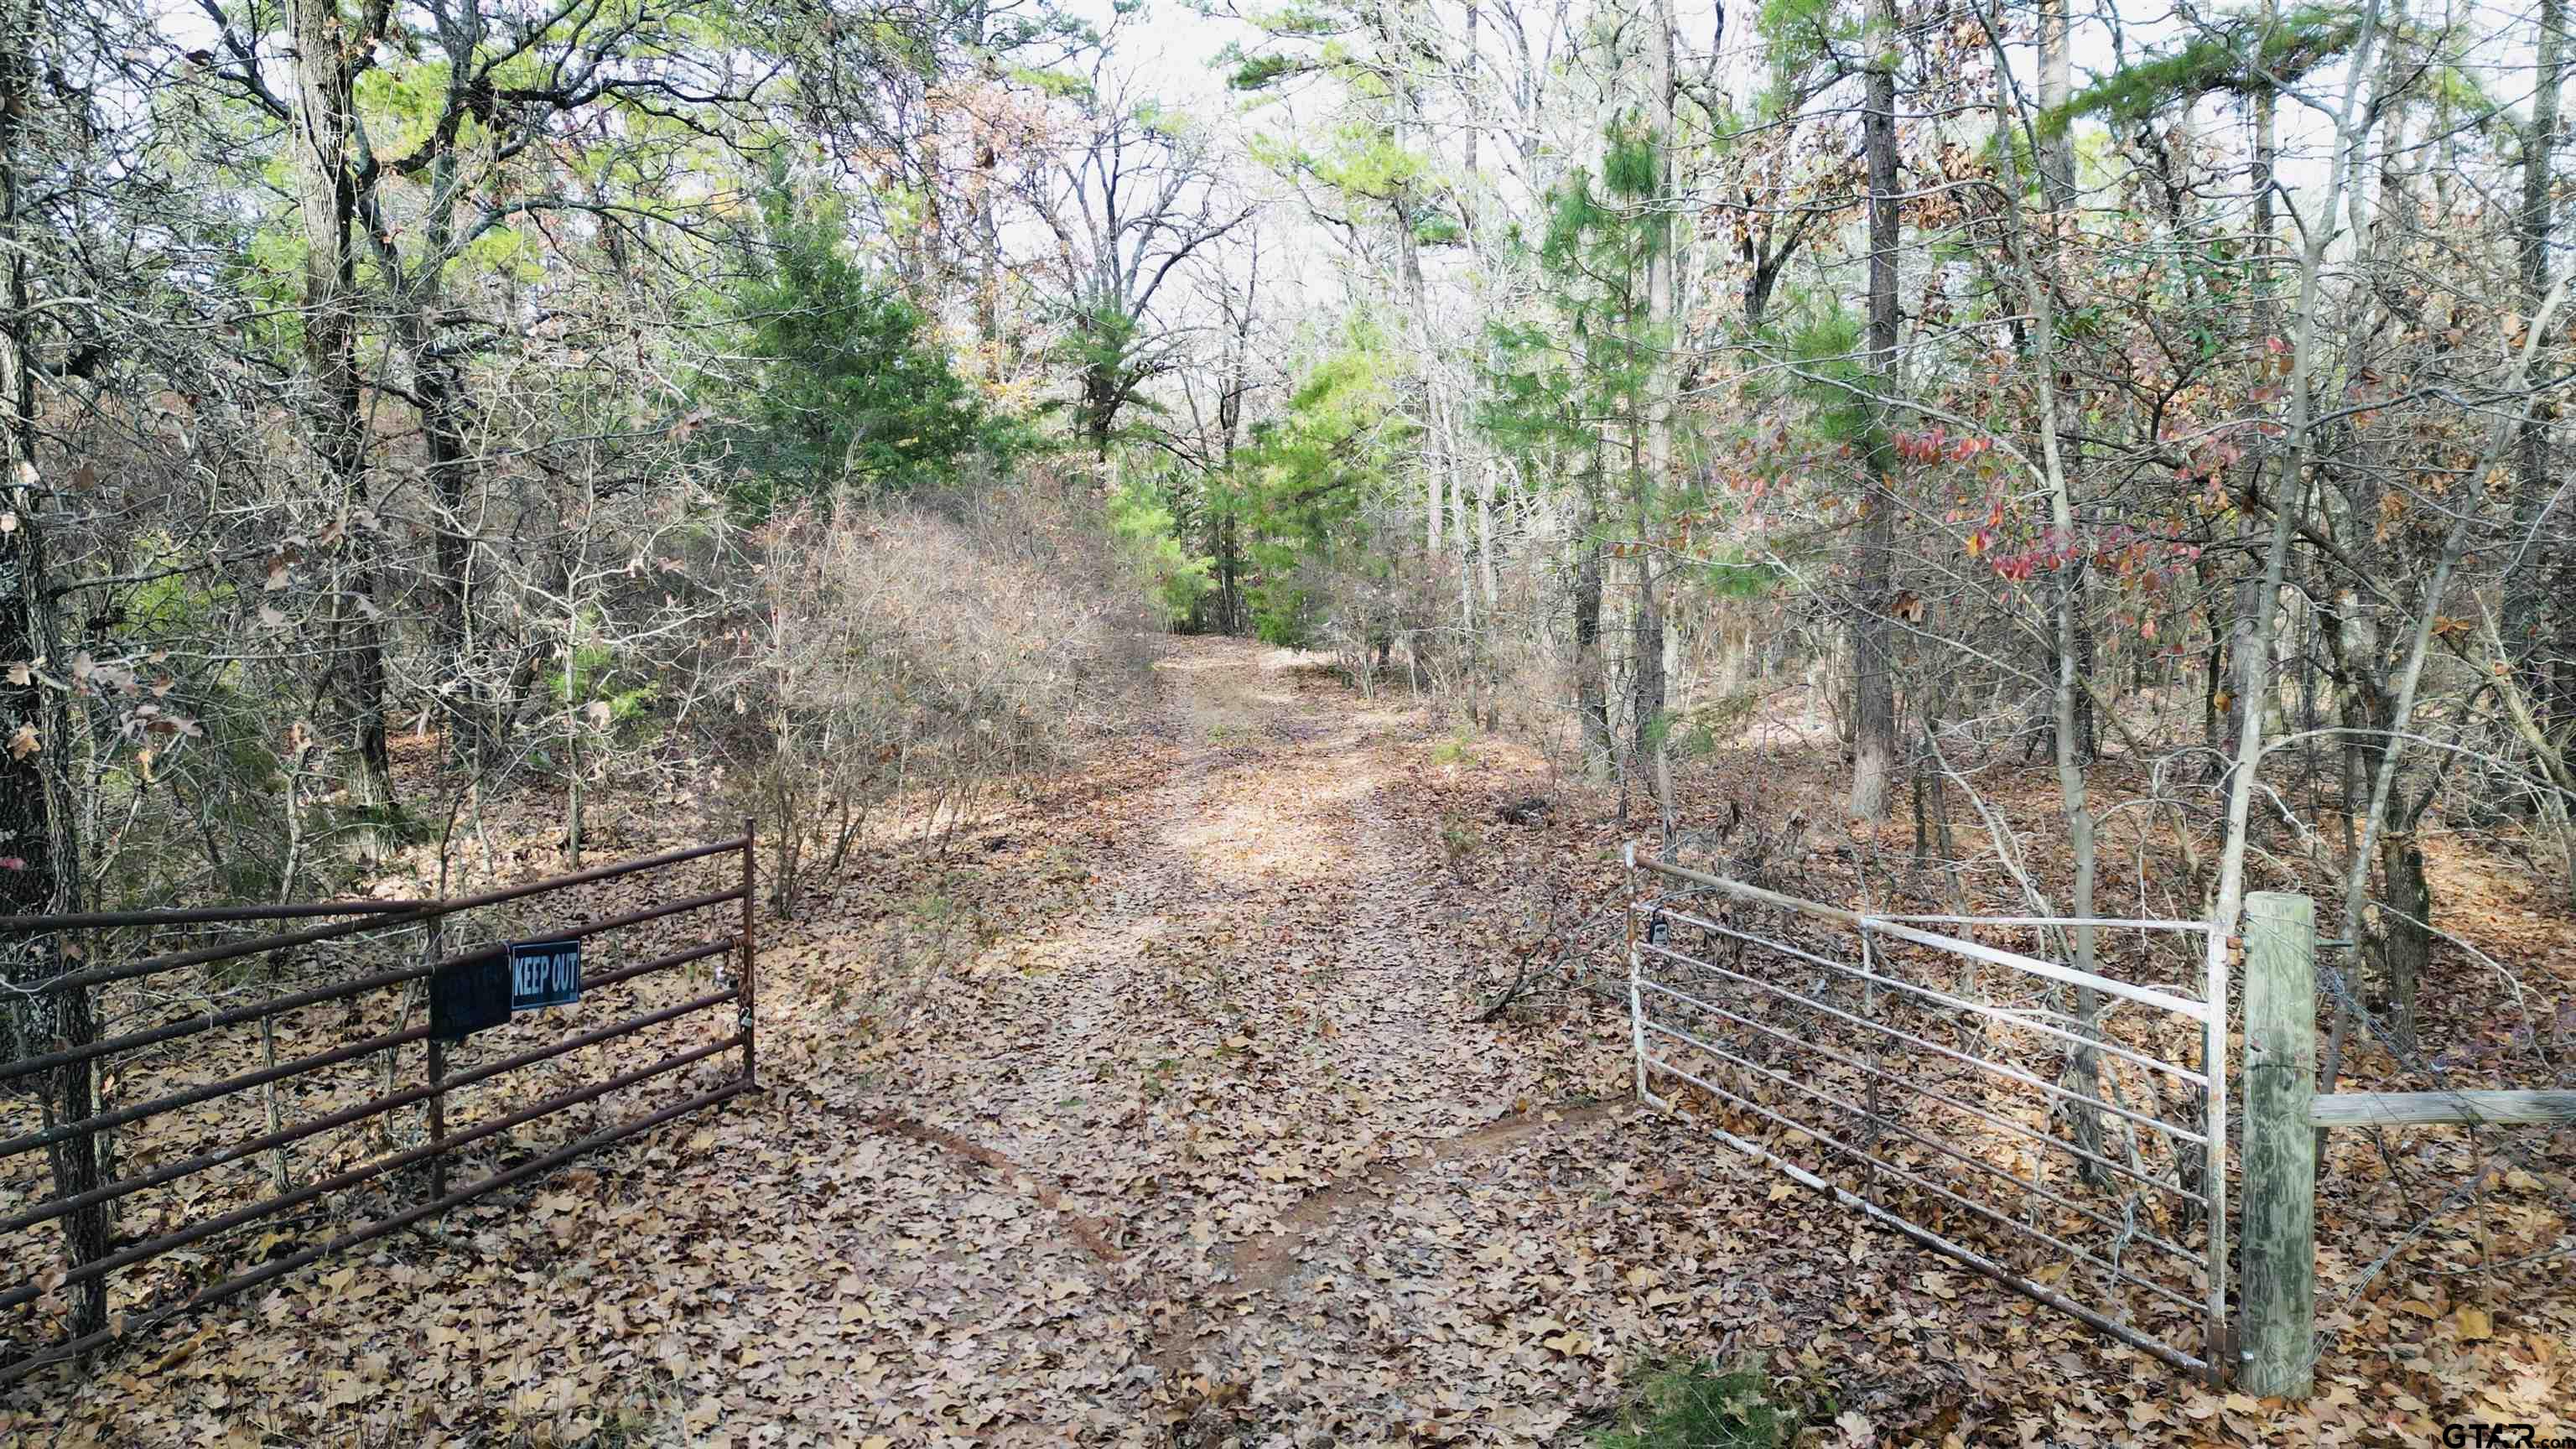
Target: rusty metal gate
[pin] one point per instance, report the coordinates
(192, 1134)
(2049, 1128)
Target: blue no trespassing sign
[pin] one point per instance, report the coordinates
(544, 973)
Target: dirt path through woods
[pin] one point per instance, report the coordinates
(1248, 1038)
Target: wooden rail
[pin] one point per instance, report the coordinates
(2433, 1109)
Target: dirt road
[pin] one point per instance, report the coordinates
(1242, 1067)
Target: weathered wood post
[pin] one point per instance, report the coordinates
(2278, 1246)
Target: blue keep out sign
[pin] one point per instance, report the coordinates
(544, 973)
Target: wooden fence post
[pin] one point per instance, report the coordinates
(2278, 1244)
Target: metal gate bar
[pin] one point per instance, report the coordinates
(2019, 1129)
(1881, 1164)
(2155, 1240)
(101, 975)
(365, 1172)
(378, 1106)
(735, 951)
(2007, 1016)
(2000, 1069)
(236, 1016)
(1927, 1238)
(1951, 1172)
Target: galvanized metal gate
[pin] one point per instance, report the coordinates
(210, 1104)
(2037, 1123)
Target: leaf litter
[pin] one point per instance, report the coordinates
(1158, 1112)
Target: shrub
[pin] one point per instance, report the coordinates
(932, 650)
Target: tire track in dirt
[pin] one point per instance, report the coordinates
(1090, 1232)
(1266, 1263)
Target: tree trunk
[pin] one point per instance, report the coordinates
(2405, 929)
(1647, 482)
(1229, 576)
(36, 819)
(1408, 264)
(1099, 411)
(2057, 149)
(36, 828)
(1231, 392)
(440, 388)
(1592, 691)
(1486, 484)
(2057, 186)
(327, 200)
(2534, 563)
(1873, 680)
(2252, 606)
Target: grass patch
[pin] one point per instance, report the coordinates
(1458, 749)
(1702, 1406)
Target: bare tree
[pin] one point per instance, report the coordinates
(1133, 193)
